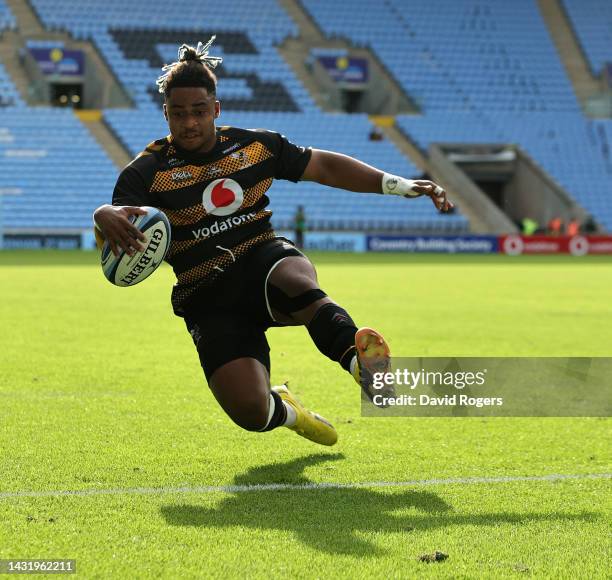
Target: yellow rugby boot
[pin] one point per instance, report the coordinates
(308, 424)
(373, 356)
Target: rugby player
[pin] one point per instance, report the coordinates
(235, 277)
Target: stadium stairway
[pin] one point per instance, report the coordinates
(569, 50)
(15, 90)
(94, 121)
(27, 22)
(591, 21)
(310, 35)
(293, 50)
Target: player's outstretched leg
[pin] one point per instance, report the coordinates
(308, 424)
(295, 298)
(242, 388)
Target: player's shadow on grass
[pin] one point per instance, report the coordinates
(331, 519)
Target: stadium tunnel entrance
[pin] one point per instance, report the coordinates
(67, 95)
(504, 182)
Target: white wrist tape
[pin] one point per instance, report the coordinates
(395, 185)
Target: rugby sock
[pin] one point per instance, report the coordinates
(291, 415)
(277, 412)
(333, 332)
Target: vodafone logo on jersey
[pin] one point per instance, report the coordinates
(222, 197)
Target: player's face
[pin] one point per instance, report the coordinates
(191, 114)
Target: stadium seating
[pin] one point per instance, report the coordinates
(137, 43)
(257, 88)
(53, 169)
(7, 20)
(483, 71)
(9, 96)
(494, 54)
(592, 23)
(8, 93)
(574, 151)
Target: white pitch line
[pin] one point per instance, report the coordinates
(298, 487)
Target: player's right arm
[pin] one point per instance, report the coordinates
(338, 170)
(112, 222)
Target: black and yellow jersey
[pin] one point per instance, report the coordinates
(216, 202)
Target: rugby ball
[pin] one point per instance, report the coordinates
(126, 270)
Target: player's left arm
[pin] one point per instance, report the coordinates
(344, 172)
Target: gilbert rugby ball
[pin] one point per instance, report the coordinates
(126, 270)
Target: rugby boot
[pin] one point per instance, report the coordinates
(308, 424)
(373, 356)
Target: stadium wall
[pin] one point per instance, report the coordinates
(359, 242)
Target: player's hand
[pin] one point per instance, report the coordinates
(118, 230)
(435, 192)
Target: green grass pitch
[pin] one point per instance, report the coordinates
(100, 389)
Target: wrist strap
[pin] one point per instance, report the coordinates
(396, 185)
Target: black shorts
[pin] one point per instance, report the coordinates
(229, 320)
